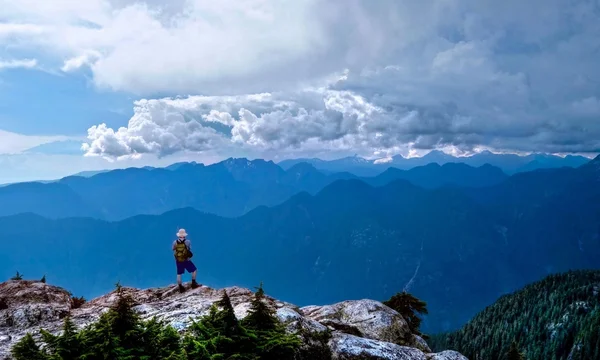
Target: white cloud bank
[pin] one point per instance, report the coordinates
(13, 143)
(510, 75)
(20, 63)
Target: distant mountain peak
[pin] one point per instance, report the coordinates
(485, 152)
(356, 159)
(303, 167)
(245, 162)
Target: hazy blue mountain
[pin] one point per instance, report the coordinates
(229, 188)
(47, 199)
(352, 164)
(434, 175)
(90, 173)
(508, 163)
(449, 246)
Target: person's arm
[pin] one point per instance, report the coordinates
(189, 244)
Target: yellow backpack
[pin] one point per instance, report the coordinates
(182, 253)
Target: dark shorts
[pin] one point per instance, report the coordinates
(185, 265)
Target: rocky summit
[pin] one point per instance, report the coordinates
(360, 329)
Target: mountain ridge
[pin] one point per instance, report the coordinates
(509, 163)
(230, 188)
(383, 238)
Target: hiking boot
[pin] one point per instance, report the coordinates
(194, 284)
(181, 288)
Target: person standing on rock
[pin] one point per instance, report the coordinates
(182, 250)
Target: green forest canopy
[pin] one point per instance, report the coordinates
(546, 320)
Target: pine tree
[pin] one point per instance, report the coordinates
(220, 335)
(99, 342)
(18, 276)
(43, 279)
(227, 316)
(27, 349)
(410, 308)
(159, 341)
(66, 346)
(274, 343)
(117, 334)
(76, 302)
(514, 353)
(260, 316)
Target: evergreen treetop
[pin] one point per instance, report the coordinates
(410, 308)
(18, 276)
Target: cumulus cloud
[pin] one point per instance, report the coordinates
(466, 74)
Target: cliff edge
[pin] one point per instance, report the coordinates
(360, 329)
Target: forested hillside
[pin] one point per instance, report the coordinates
(557, 318)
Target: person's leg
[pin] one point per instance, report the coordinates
(191, 268)
(180, 271)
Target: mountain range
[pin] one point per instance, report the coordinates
(508, 163)
(229, 188)
(457, 248)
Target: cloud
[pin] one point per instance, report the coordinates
(12, 143)
(464, 74)
(77, 62)
(64, 147)
(589, 106)
(11, 31)
(382, 112)
(15, 64)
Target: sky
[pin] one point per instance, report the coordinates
(93, 84)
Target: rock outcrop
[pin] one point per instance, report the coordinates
(361, 329)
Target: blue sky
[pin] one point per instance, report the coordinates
(36, 102)
(156, 81)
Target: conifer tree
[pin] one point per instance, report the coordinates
(17, 276)
(159, 341)
(514, 353)
(410, 308)
(99, 342)
(274, 343)
(66, 346)
(43, 279)
(27, 349)
(260, 316)
(117, 334)
(220, 335)
(227, 316)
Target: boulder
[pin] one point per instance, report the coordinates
(366, 318)
(348, 347)
(446, 355)
(420, 343)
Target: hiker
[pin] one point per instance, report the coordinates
(182, 250)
